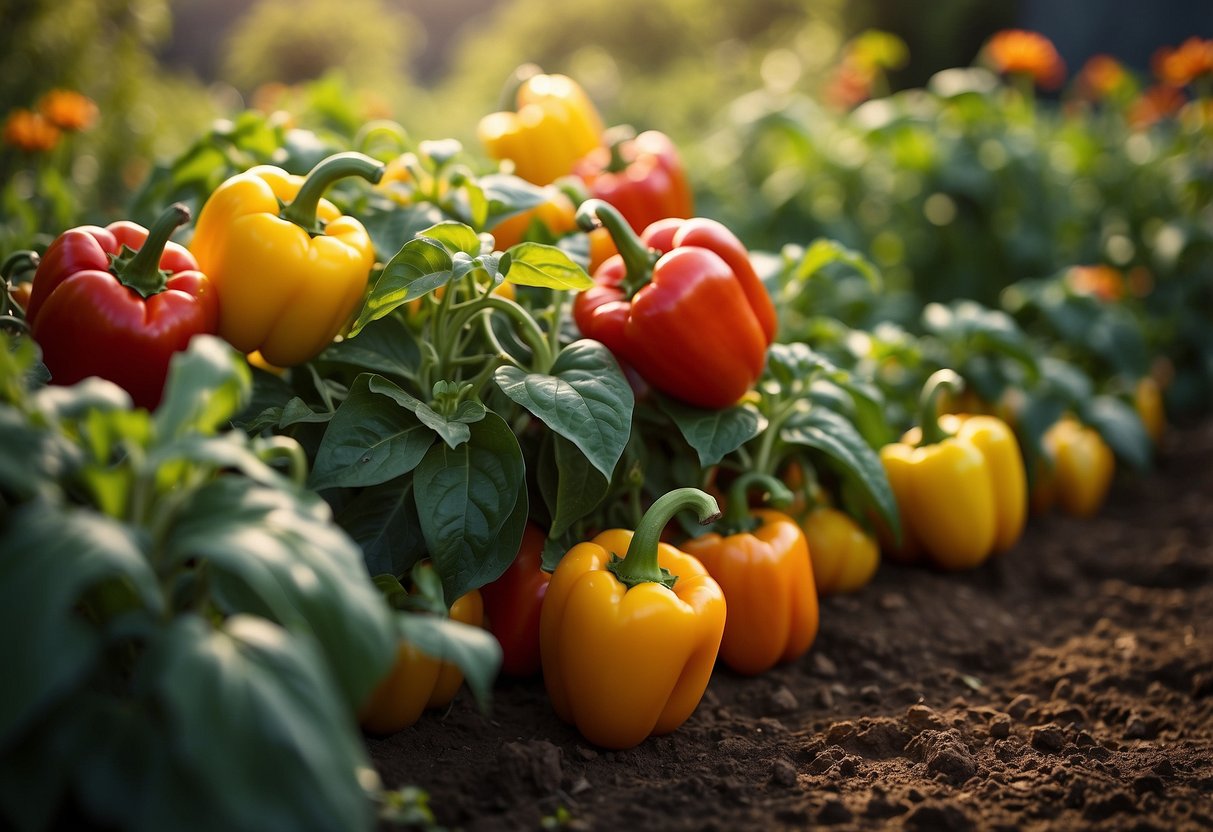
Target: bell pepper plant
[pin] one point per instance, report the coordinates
(554, 124)
(681, 304)
(288, 278)
(761, 561)
(512, 605)
(118, 302)
(961, 495)
(642, 176)
(628, 642)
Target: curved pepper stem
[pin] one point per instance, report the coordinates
(639, 565)
(928, 404)
(638, 259)
(302, 210)
(615, 139)
(737, 517)
(142, 272)
(19, 263)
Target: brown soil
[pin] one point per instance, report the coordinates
(1067, 684)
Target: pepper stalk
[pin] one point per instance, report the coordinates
(639, 565)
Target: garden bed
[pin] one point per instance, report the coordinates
(1067, 682)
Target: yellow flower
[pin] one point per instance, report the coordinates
(68, 110)
(29, 131)
(1016, 51)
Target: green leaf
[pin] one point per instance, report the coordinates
(1121, 427)
(569, 483)
(298, 412)
(794, 365)
(371, 439)
(207, 385)
(419, 268)
(467, 499)
(472, 649)
(383, 521)
(49, 558)
(257, 727)
(825, 252)
(392, 226)
(508, 195)
(454, 237)
(535, 264)
(714, 434)
(384, 346)
(277, 553)
(453, 430)
(586, 399)
(837, 438)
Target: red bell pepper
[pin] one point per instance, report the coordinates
(512, 604)
(681, 304)
(117, 302)
(641, 176)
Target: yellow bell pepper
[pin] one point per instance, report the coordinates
(761, 561)
(1082, 469)
(628, 645)
(417, 682)
(554, 126)
(1147, 401)
(961, 496)
(844, 556)
(288, 278)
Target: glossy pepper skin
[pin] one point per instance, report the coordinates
(641, 176)
(96, 309)
(844, 556)
(554, 125)
(417, 681)
(513, 602)
(289, 279)
(955, 507)
(626, 656)
(681, 305)
(1082, 469)
(761, 561)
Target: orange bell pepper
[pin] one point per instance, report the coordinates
(761, 561)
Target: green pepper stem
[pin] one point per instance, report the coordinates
(615, 139)
(302, 210)
(737, 517)
(928, 404)
(639, 565)
(638, 259)
(19, 262)
(142, 272)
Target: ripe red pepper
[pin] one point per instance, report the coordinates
(512, 604)
(641, 176)
(681, 304)
(117, 302)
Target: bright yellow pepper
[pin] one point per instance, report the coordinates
(555, 125)
(844, 556)
(625, 654)
(288, 278)
(761, 561)
(960, 496)
(1147, 401)
(1082, 469)
(417, 681)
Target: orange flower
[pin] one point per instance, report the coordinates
(68, 110)
(1103, 282)
(1183, 65)
(1016, 51)
(1102, 77)
(1155, 104)
(29, 131)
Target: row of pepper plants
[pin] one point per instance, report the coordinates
(373, 431)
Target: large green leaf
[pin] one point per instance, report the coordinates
(840, 442)
(585, 399)
(207, 385)
(1121, 427)
(453, 429)
(467, 500)
(713, 434)
(383, 521)
(508, 195)
(384, 346)
(472, 649)
(277, 553)
(454, 237)
(536, 264)
(570, 485)
(371, 439)
(49, 558)
(258, 727)
(420, 267)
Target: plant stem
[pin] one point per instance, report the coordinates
(639, 565)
